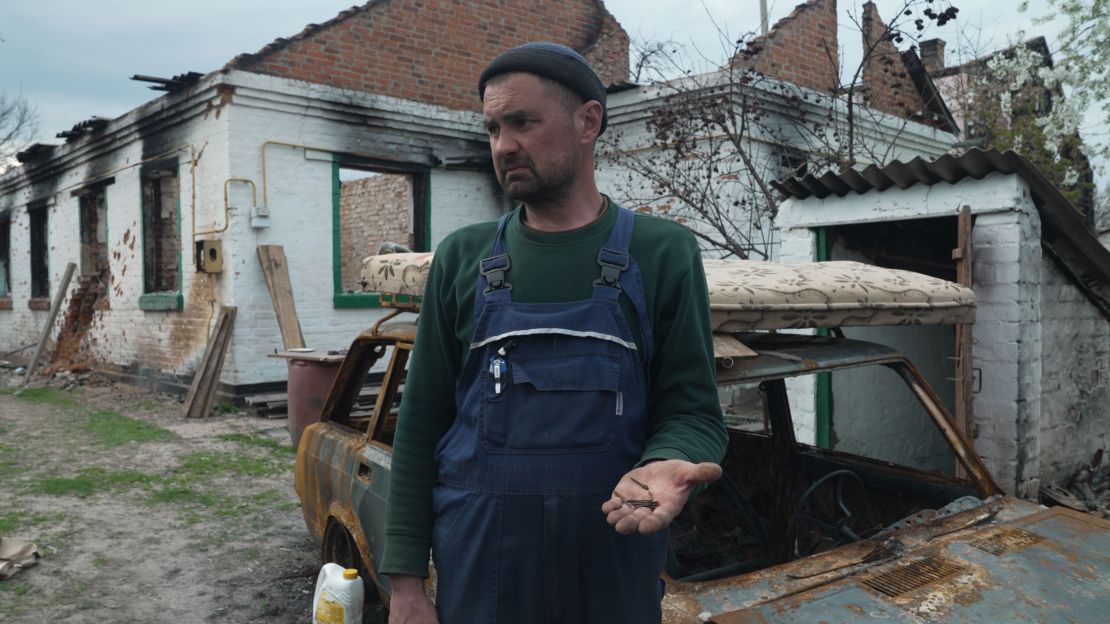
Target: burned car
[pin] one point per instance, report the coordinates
(894, 517)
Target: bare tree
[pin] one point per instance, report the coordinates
(713, 141)
(18, 124)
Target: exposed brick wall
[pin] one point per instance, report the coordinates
(433, 50)
(800, 49)
(372, 210)
(886, 81)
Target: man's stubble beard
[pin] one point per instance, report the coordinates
(544, 187)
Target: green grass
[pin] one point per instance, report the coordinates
(47, 396)
(206, 464)
(226, 408)
(247, 439)
(92, 481)
(14, 521)
(15, 588)
(182, 495)
(110, 428)
(9, 462)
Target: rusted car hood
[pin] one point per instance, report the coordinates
(1004, 561)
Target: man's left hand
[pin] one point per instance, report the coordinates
(668, 483)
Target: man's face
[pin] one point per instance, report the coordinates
(531, 137)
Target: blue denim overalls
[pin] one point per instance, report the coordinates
(552, 412)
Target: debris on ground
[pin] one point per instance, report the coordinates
(1088, 489)
(16, 556)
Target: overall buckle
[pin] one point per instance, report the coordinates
(612, 264)
(494, 269)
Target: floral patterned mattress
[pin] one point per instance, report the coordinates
(746, 295)
(766, 295)
(396, 273)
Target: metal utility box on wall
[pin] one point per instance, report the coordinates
(210, 256)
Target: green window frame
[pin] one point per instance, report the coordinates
(422, 202)
(169, 300)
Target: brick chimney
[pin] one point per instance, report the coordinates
(932, 54)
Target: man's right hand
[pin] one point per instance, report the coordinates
(408, 604)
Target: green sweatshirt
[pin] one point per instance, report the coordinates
(685, 420)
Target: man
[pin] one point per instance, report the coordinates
(560, 404)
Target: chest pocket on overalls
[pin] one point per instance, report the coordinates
(551, 395)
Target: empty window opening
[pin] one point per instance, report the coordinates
(161, 233)
(376, 208)
(40, 280)
(920, 245)
(94, 237)
(5, 258)
(923, 246)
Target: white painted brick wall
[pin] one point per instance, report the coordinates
(461, 198)
(120, 334)
(298, 182)
(1032, 415)
(1075, 381)
(1007, 345)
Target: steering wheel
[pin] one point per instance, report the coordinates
(722, 505)
(840, 529)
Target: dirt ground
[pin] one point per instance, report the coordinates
(143, 516)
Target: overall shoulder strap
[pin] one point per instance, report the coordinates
(493, 281)
(620, 273)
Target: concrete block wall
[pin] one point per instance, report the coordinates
(1007, 345)
(1075, 377)
(432, 51)
(798, 246)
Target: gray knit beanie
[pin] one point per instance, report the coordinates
(555, 62)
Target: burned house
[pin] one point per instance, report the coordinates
(315, 143)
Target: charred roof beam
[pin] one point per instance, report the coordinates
(178, 83)
(88, 126)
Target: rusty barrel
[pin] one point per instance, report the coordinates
(310, 379)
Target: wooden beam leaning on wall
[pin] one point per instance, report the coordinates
(202, 392)
(59, 296)
(276, 271)
(965, 418)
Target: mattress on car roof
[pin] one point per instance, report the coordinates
(747, 295)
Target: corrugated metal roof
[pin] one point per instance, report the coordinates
(1063, 234)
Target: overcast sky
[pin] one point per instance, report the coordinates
(72, 58)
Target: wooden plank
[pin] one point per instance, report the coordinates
(54, 308)
(726, 346)
(309, 356)
(198, 403)
(963, 415)
(276, 271)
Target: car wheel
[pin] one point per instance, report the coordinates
(339, 547)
